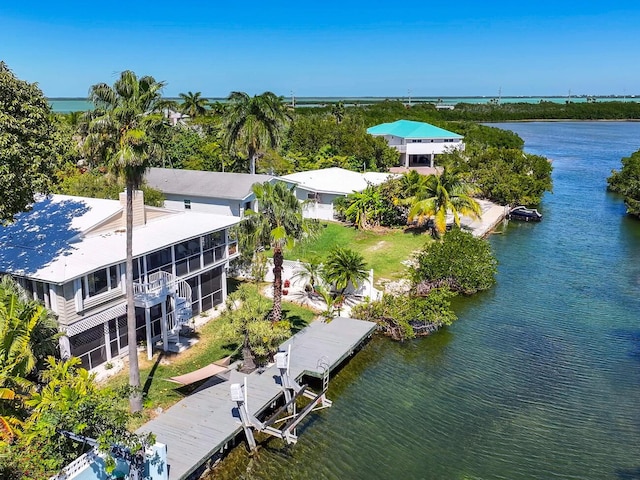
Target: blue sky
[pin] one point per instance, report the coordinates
(328, 48)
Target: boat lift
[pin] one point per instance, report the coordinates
(292, 392)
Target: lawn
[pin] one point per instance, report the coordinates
(159, 392)
(383, 250)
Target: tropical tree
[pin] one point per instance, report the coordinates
(310, 272)
(193, 104)
(29, 144)
(28, 335)
(365, 208)
(278, 223)
(248, 315)
(252, 124)
(338, 111)
(344, 266)
(440, 195)
(119, 137)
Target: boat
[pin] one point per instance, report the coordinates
(525, 214)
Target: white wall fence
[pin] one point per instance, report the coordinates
(320, 211)
(91, 466)
(291, 267)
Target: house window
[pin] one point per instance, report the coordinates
(160, 260)
(101, 281)
(213, 248)
(187, 255)
(417, 141)
(187, 204)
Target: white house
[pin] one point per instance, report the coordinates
(417, 142)
(319, 188)
(223, 193)
(69, 252)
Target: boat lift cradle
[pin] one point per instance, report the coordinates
(292, 392)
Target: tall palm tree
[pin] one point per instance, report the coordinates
(279, 224)
(193, 104)
(441, 194)
(119, 137)
(252, 124)
(344, 266)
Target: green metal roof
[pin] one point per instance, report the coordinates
(411, 129)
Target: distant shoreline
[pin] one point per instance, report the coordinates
(563, 120)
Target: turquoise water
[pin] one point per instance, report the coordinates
(66, 105)
(539, 378)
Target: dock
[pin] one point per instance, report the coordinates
(201, 425)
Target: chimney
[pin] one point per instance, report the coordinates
(139, 214)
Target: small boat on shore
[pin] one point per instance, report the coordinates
(525, 214)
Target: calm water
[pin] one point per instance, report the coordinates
(540, 377)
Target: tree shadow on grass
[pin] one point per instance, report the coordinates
(147, 383)
(296, 321)
(416, 230)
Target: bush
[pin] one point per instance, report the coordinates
(627, 182)
(404, 317)
(461, 262)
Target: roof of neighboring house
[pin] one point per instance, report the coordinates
(411, 129)
(336, 180)
(49, 242)
(198, 183)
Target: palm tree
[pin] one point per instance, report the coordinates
(309, 272)
(442, 194)
(279, 224)
(338, 111)
(118, 137)
(344, 266)
(193, 104)
(253, 124)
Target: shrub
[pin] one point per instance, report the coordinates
(404, 317)
(460, 262)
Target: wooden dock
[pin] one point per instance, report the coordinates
(200, 425)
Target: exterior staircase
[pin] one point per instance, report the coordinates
(159, 286)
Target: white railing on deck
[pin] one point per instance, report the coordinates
(165, 282)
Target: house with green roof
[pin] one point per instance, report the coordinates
(417, 142)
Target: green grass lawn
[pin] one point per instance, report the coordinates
(159, 392)
(383, 250)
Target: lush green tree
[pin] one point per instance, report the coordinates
(406, 316)
(460, 262)
(338, 111)
(193, 104)
(440, 195)
(364, 209)
(94, 183)
(252, 124)
(69, 400)
(119, 137)
(29, 144)
(344, 266)
(278, 224)
(28, 335)
(506, 175)
(249, 324)
(627, 182)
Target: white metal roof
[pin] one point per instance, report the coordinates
(47, 244)
(337, 180)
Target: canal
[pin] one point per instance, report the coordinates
(538, 379)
